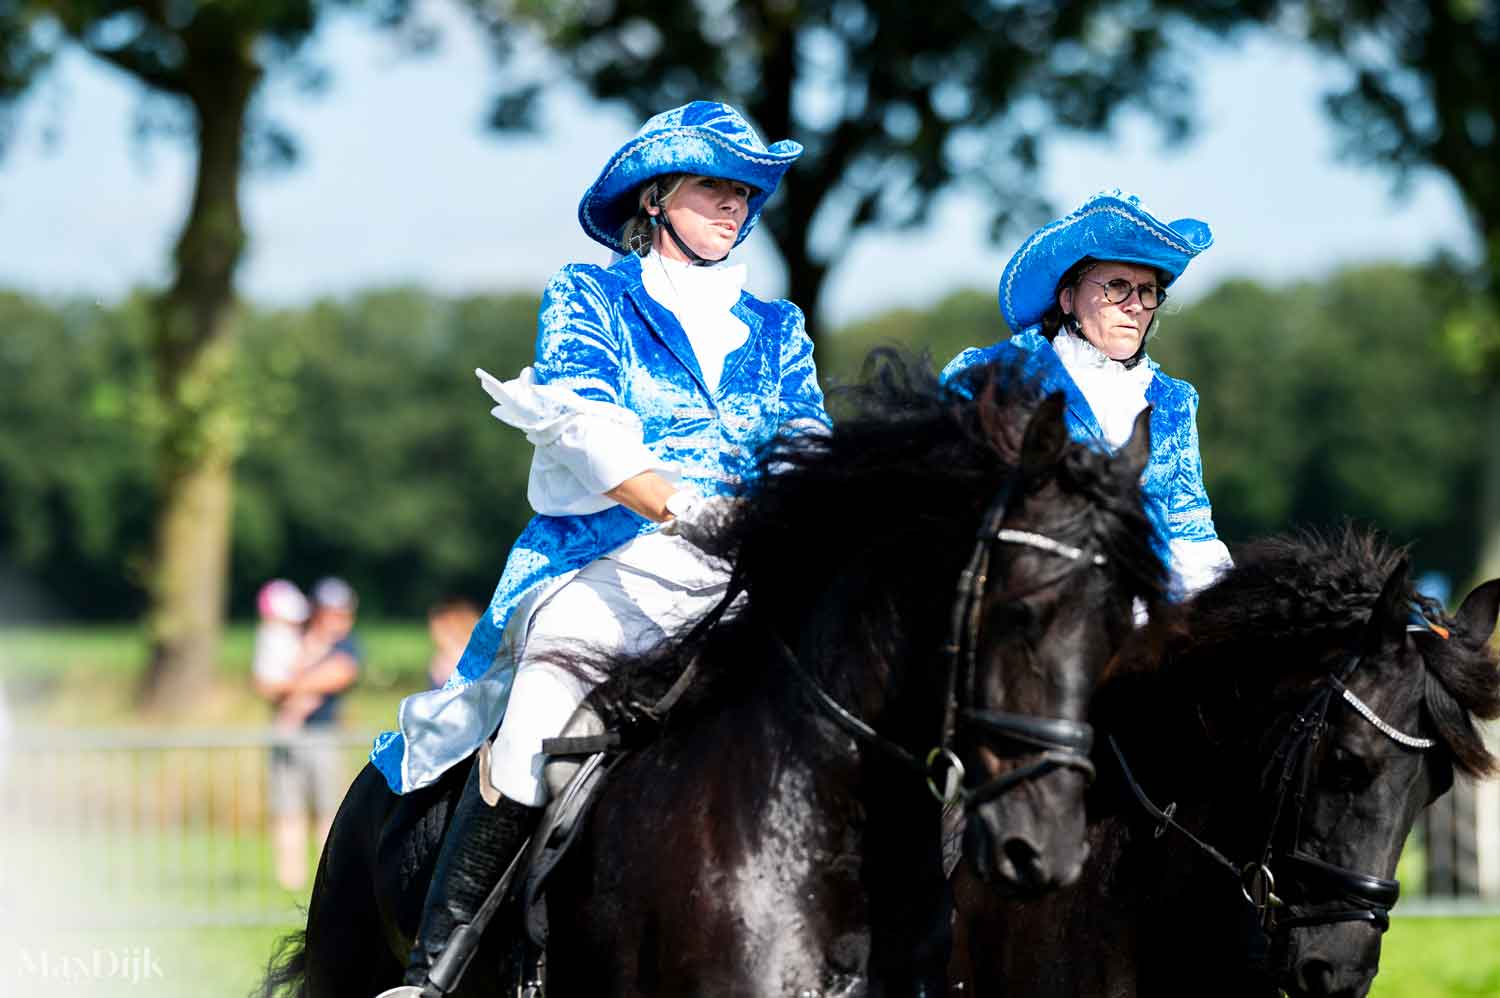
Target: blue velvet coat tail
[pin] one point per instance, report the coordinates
(601, 335)
(1173, 482)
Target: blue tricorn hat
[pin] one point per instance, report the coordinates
(1108, 226)
(704, 138)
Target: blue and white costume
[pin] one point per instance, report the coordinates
(1103, 395)
(646, 365)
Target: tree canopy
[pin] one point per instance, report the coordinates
(894, 102)
(1423, 95)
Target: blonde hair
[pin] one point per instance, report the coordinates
(635, 237)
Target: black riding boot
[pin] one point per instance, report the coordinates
(480, 844)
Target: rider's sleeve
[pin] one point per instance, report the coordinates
(586, 441)
(958, 365)
(1198, 556)
(801, 397)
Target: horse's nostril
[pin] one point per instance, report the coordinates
(1024, 859)
(1315, 977)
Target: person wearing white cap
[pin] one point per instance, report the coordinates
(656, 380)
(1081, 296)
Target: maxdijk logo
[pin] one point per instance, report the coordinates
(131, 964)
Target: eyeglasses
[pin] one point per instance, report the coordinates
(1118, 291)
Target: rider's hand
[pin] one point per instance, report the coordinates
(700, 520)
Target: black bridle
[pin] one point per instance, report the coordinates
(1055, 743)
(1350, 896)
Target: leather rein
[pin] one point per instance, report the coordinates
(1362, 896)
(1050, 743)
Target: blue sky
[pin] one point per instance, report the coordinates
(399, 182)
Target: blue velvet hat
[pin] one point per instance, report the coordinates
(704, 138)
(1108, 226)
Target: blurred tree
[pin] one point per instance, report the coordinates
(205, 61)
(371, 449)
(895, 101)
(1334, 399)
(368, 448)
(76, 482)
(959, 320)
(1424, 95)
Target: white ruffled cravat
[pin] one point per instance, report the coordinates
(1116, 393)
(701, 298)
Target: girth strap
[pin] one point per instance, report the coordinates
(610, 741)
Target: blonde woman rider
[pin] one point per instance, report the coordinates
(655, 381)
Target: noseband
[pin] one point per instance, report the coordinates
(1056, 743)
(1353, 896)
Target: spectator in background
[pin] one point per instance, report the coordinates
(449, 623)
(305, 769)
(278, 637)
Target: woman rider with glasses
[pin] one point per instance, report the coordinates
(1081, 295)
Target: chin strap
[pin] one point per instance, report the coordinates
(662, 220)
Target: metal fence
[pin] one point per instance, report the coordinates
(111, 829)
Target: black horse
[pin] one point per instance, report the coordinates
(1281, 739)
(778, 834)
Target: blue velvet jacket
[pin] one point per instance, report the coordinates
(1177, 502)
(602, 335)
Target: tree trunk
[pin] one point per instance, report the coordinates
(804, 278)
(193, 346)
(1489, 510)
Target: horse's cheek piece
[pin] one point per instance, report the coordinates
(1057, 743)
(1371, 898)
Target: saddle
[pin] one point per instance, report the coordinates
(579, 761)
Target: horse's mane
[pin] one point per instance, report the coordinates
(894, 491)
(1308, 589)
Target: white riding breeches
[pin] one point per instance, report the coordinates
(609, 607)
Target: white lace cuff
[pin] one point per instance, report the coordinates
(584, 447)
(1198, 564)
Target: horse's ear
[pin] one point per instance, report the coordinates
(1132, 458)
(1476, 617)
(1046, 434)
(1389, 616)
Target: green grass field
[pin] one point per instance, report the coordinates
(85, 677)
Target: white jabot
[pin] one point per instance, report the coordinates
(1117, 394)
(701, 298)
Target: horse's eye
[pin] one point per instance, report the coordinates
(1344, 771)
(1014, 618)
